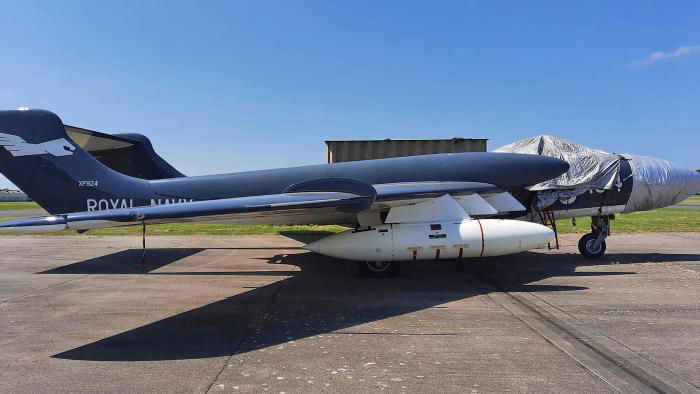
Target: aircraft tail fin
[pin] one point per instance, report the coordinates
(38, 156)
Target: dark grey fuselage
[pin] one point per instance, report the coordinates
(74, 180)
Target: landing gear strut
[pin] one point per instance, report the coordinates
(378, 269)
(592, 245)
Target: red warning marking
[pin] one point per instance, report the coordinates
(461, 251)
(482, 238)
(437, 254)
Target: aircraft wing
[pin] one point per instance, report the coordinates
(210, 209)
(306, 202)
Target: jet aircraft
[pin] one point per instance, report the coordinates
(432, 207)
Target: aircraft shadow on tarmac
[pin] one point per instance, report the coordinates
(128, 261)
(323, 297)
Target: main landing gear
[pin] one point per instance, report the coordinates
(378, 269)
(592, 245)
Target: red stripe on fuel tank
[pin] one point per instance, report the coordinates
(482, 238)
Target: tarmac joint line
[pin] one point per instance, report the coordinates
(264, 311)
(621, 368)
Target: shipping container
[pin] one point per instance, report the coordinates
(341, 151)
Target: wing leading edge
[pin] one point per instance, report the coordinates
(210, 209)
(346, 195)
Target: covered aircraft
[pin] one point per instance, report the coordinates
(428, 207)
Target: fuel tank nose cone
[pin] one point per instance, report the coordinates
(545, 233)
(313, 247)
(512, 236)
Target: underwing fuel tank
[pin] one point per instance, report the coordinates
(434, 241)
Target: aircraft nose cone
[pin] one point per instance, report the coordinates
(659, 183)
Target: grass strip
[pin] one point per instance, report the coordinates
(658, 220)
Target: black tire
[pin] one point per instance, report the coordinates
(378, 269)
(586, 243)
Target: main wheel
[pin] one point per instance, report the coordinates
(378, 269)
(587, 249)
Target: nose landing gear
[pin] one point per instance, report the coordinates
(592, 245)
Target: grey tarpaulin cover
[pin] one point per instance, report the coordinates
(590, 169)
(657, 183)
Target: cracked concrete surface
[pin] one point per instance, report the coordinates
(257, 313)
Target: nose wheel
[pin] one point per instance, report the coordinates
(592, 245)
(589, 248)
(378, 269)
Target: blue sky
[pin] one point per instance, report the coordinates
(230, 86)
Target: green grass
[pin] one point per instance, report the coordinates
(17, 206)
(695, 200)
(200, 229)
(659, 220)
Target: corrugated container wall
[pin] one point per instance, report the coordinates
(340, 151)
(13, 197)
